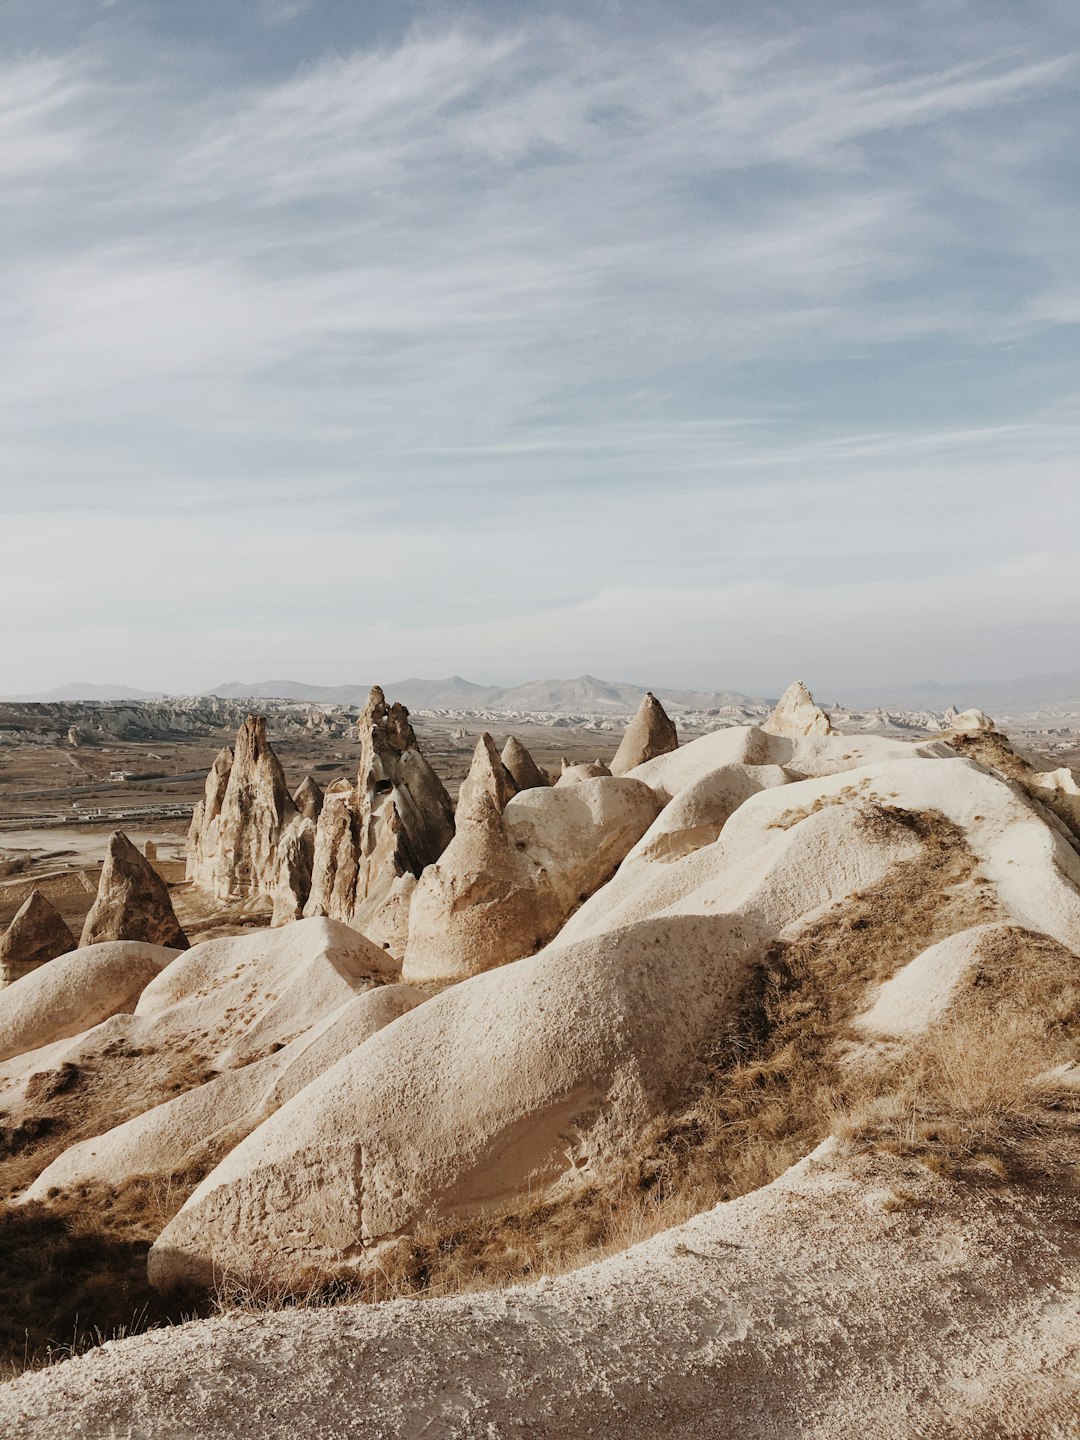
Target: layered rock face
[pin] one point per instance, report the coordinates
(650, 733)
(37, 933)
(372, 837)
(517, 866)
(132, 902)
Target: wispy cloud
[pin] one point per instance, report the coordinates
(478, 271)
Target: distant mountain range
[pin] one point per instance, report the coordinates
(84, 691)
(585, 695)
(588, 695)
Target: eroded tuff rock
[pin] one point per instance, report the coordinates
(527, 774)
(132, 902)
(308, 799)
(571, 774)
(204, 830)
(396, 820)
(488, 779)
(650, 733)
(234, 852)
(37, 933)
(797, 714)
(509, 878)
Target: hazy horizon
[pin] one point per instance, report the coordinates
(532, 341)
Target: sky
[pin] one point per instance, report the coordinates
(687, 344)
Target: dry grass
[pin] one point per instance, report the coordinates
(972, 1100)
(74, 1102)
(74, 1271)
(778, 1083)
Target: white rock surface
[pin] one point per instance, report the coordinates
(77, 991)
(209, 1120)
(816, 1307)
(509, 879)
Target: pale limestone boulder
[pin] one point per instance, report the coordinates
(971, 722)
(75, 992)
(198, 1127)
(395, 821)
(650, 733)
(796, 714)
(521, 765)
(37, 933)
(1059, 790)
(508, 880)
(132, 901)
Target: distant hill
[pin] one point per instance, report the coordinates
(85, 691)
(585, 695)
(1030, 692)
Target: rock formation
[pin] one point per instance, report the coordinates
(36, 934)
(527, 774)
(509, 878)
(203, 838)
(585, 770)
(395, 821)
(75, 992)
(150, 850)
(488, 780)
(970, 722)
(796, 714)
(650, 733)
(132, 902)
(233, 852)
(308, 799)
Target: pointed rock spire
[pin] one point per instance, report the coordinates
(395, 821)
(36, 934)
(308, 799)
(650, 733)
(235, 852)
(797, 714)
(132, 902)
(521, 765)
(488, 779)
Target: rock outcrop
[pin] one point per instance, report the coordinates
(970, 722)
(488, 780)
(234, 853)
(37, 933)
(650, 733)
(796, 714)
(200, 1126)
(308, 799)
(203, 838)
(132, 902)
(573, 774)
(509, 878)
(75, 992)
(396, 820)
(527, 774)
